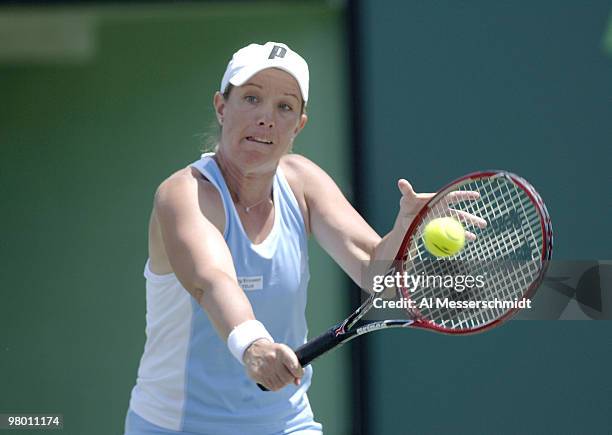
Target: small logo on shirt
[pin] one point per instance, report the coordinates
(250, 283)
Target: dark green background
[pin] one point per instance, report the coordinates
(450, 87)
(447, 87)
(84, 141)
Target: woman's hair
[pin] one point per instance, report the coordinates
(211, 136)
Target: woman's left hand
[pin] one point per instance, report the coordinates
(411, 203)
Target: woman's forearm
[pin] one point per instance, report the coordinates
(224, 302)
(384, 253)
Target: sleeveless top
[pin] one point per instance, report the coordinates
(187, 378)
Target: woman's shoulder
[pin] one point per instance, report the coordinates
(188, 187)
(317, 188)
(297, 169)
(304, 171)
(301, 174)
(297, 166)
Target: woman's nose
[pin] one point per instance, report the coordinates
(265, 119)
(266, 123)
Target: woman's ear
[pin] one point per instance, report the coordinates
(219, 103)
(300, 126)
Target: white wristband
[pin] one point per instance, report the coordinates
(243, 335)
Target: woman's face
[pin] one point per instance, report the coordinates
(260, 119)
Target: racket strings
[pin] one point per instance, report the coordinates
(509, 281)
(506, 254)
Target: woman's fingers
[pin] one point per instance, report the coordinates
(469, 218)
(405, 187)
(464, 216)
(411, 202)
(460, 195)
(292, 364)
(273, 365)
(469, 236)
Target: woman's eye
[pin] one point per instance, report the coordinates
(251, 98)
(285, 107)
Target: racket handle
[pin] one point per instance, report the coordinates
(316, 347)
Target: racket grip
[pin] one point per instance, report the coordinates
(316, 347)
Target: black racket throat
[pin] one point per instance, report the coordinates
(345, 331)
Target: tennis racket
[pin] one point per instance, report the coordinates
(511, 254)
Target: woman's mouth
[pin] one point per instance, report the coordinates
(259, 140)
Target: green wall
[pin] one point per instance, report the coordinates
(89, 126)
(450, 87)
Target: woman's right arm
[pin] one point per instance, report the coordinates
(202, 262)
(198, 253)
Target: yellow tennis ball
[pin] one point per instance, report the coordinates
(444, 237)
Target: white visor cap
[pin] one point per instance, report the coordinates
(253, 58)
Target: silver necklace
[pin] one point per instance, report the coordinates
(249, 208)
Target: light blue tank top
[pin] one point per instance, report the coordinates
(206, 390)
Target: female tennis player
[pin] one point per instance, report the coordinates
(227, 273)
